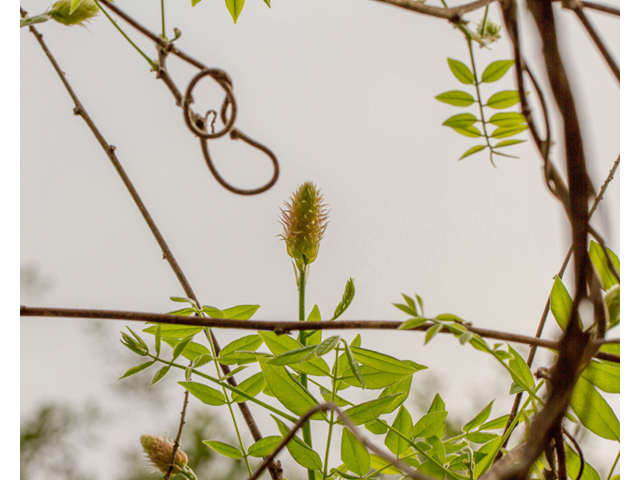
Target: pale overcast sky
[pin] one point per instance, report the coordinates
(343, 93)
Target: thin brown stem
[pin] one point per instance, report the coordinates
(453, 14)
(578, 10)
(602, 8)
(278, 327)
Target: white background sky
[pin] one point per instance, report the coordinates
(343, 93)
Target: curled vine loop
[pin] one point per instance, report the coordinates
(195, 123)
(198, 126)
(238, 135)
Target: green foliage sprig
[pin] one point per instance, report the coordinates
(507, 124)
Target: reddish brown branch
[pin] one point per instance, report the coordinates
(602, 8)
(453, 14)
(276, 326)
(577, 8)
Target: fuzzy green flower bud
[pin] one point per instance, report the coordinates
(304, 220)
(488, 32)
(84, 11)
(61, 12)
(159, 451)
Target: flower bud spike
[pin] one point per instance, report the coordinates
(304, 221)
(159, 451)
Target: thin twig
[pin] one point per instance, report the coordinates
(602, 8)
(578, 10)
(278, 327)
(453, 14)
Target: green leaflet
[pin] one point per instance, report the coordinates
(283, 343)
(403, 386)
(235, 7)
(520, 372)
(503, 132)
(192, 351)
(461, 71)
(264, 446)
(488, 451)
(293, 356)
(507, 119)
(496, 424)
(353, 365)
(367, 411)
(181, 346)
(480, 418)
(174, 331)
(204, 393)
(288, 391)
(429, 425)
(134, 370)
(383, 466)
(433, 469)
(506, 143)
(456, 98)
(213, 312)
(158, 376)
(561, 304)
(604, 376)
(403, 423)
(612, 301)
(240, 312)
(496, 70)
(412, 323)
(381, 362)
(471, 151)
(242, 357)
(594, 412)
(373, 379)
(250, 343)
(437, 405)
(354, 455)
(469, 131)
(347, 298)
(223, 449)
(504, 99)
(377, 427)
(481, 437)
(251, 386)
(299, 450)
(461, 120)
(599, 259)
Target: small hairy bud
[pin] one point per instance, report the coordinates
(159, 451)
(84, 11)
(304, 220)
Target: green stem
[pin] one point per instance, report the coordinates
(334, 388)
(477, 85)
(302, 284)
(613, 467)
(153, 64)
(164, 33)
(26, 22)
(226, 397)
(484, 21)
